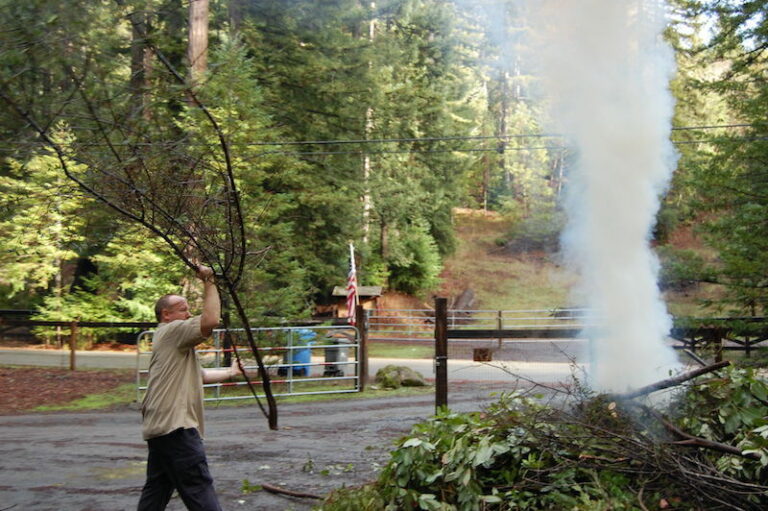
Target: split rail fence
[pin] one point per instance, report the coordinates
(688, 334)
(419, 324)
(717, 334)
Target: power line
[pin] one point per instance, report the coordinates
(415, 151)
(481, 150)
(474, 137)
(314, 142)
(717, 126)
(466, 149)
(500, 149)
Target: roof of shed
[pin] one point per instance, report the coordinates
(371, 291)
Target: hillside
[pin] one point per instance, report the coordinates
(501, 280)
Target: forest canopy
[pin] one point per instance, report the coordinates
(341, 122)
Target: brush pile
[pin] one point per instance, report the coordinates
(706, 448)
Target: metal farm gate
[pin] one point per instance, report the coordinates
(301, 360)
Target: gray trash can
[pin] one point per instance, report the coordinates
(336, 353)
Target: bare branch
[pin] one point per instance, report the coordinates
(671, 382)
(276, 489)
(694, 441)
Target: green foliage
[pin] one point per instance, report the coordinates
(540, 230)
(41, 226)
(280, 70)
(249, 487)
(731, 410)
(596, 453)
(117, 397)
(414, 261)
(695, 105)
(724, 82)
(667, 220)
(143, 268)
(279, 280)
(408, 78)
(342, 83)
(681, 269)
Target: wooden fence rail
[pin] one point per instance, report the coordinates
(8, 323)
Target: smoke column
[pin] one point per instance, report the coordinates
(606, 69)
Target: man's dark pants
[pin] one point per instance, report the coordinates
(177, 461)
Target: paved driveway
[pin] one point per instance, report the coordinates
(96, 461)
(540, 360)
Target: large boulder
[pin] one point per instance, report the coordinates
(394, 377)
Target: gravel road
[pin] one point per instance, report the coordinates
(96, 461)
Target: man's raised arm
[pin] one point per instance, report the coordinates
(209, 319)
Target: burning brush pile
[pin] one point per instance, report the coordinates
(706, 449)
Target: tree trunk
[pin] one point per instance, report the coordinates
(502, 130)
(197, 50)
(383, 240)
(235, 12)
(140, 63)
(367, 199)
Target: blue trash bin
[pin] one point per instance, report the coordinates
(299, 355)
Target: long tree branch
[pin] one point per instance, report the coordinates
(689, 440)
(90, 190)
(671, 382)
(231, 186)
(265, 379)
(276, 489)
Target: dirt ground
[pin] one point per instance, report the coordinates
(93, 461)
(29, 387)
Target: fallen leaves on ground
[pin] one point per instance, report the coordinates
(25, 388)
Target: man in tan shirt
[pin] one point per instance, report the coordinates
(172, 409)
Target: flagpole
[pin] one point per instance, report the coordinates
(352, 298)
(354, 269)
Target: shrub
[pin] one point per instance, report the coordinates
(597, 453)
(414, 260)
(680, 269)
(540, 230)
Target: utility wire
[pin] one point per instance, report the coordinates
(479, 150)
(408, 139)
(478, 137)
(499, 149)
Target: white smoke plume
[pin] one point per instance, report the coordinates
(606, 70)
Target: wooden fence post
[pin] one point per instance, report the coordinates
(716, 339)
(362, 325)
(441, 353)
(72, 345)
(500, 325)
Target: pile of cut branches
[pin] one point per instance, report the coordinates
(706, 448)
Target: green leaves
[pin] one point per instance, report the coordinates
(732, 410)
(725, 175)
(595, 453)
(41, 226)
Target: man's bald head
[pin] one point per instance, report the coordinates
(166, 302)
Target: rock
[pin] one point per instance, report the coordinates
(394, 377)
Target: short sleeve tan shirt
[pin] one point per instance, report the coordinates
(174, 397)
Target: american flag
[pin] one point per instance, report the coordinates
(351, 286)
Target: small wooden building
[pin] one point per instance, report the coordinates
(367, 296)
